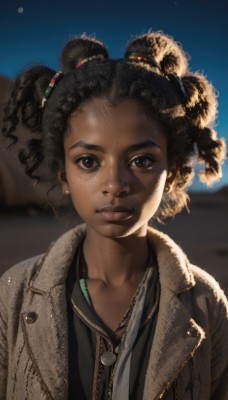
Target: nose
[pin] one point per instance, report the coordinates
(116, 182)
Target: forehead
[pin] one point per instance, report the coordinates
(126, 121)
(101, 109)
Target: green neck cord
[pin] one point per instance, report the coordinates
(84, 290)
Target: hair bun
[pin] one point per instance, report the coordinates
(79, 48)
(201, 105)
(162, 49)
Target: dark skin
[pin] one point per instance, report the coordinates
(116, 170)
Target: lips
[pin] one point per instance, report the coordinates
(115, 213)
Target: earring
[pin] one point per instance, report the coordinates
(66, 192)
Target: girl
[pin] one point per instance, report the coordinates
(114, 309)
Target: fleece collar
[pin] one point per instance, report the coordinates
(174, 267)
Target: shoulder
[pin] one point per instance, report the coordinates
(178, 273)
(13, 285)
(19, 274)
(21, 268)
(207, 284)
(213, 310)
(211, 304)
(50, 265)
(27, 269)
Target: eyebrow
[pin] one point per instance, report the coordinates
(142, 145)
(87, 146)
(133, 147)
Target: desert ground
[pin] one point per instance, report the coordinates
(202, 233)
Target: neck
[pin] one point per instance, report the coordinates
(115, 261)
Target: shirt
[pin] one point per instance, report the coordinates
(88, 340)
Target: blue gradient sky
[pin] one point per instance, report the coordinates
(35, 31)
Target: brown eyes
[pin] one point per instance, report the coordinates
(91, 163)
(87, 162)
(142, 162)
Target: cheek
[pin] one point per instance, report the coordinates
(156, 182)
(80, 191)
(75, 179)
(80, 201)
(160, 183)
(155, 189)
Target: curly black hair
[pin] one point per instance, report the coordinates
(151, 80)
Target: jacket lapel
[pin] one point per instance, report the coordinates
(177, 335)
(176, 338)
(44, 319)
(44, 326)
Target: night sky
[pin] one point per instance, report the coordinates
(33, 32)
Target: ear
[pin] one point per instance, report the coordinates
(62, 179)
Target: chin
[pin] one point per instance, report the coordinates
(114, 230)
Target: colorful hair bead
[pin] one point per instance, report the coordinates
(50, 88)
(138, 58)
(144, 58)
(85, 60)
(173, 78)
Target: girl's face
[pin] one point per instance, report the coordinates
(116, 166)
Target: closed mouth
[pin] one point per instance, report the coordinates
(115, 209)
(115, 213)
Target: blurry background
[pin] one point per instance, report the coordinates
(33, 32)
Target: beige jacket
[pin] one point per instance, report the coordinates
(189, 355)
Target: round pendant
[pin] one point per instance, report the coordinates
(108, 358)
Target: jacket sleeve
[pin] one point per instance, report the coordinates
(219, 362)
(3, 340)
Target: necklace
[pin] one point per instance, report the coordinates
(118, 336)
(122, 325)
(83, 286)
(128, 314)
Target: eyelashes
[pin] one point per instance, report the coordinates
(88, 162)
(142, 162)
